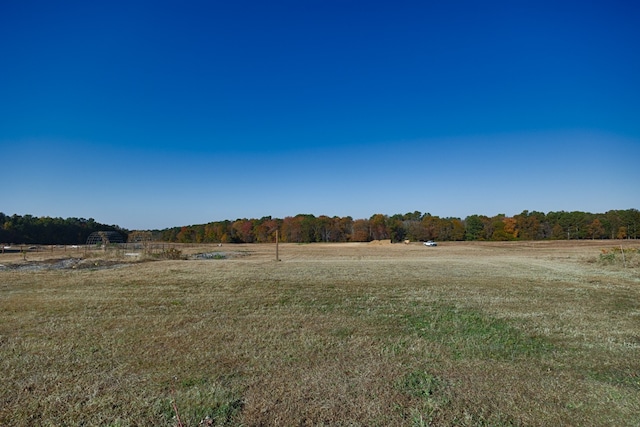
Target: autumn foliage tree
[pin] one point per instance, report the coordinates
(360, 231)
(596, 230)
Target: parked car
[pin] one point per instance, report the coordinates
(430, 243)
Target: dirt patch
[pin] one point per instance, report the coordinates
(76, 263)
(64, 264)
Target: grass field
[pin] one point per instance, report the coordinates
(467, 334)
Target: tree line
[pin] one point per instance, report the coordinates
(307, 228)
(415, 226)
(27, 229)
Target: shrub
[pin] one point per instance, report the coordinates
(628, 257)
(171, 253)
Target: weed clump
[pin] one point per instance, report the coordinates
(629, 257)
(171, 253)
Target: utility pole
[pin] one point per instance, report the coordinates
(277, 243)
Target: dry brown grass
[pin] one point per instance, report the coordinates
(543, 333)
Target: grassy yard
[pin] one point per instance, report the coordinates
(467, 334)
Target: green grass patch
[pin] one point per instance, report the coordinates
(430, 394)
(199, 402)
(619, 376)
(420, 384)
(469, 333)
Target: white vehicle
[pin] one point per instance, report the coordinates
(430, 243)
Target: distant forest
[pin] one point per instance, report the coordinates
(27, 229)
(306, 228)
(416, 226)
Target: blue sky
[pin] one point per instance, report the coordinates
(158, 114)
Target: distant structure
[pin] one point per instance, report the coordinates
(140, 237)
(104, 238)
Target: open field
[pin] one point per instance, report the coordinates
(468, 334)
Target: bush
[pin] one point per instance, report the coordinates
(629, 257)
(171, 253)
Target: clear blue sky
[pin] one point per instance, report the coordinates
(153, 114)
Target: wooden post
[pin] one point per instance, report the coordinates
(277, 243)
